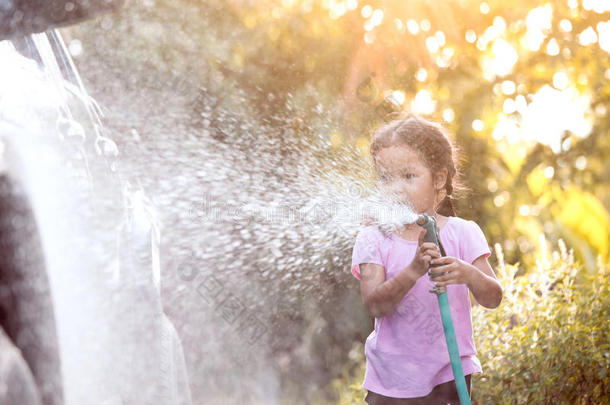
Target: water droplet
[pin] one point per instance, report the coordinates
(106, 146)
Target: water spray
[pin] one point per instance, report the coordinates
(427, 222)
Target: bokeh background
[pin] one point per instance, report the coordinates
(523, 87)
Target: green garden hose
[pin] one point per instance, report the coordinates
(427, 222)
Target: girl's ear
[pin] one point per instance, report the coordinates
(440, 179)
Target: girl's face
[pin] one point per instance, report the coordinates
(400, 170)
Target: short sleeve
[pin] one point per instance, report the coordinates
(473, 242)
(367, 249)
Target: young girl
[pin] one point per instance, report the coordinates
(407, 361)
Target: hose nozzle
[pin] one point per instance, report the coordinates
(423, 219)
(428, 222)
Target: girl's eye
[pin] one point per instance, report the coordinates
(409, 175)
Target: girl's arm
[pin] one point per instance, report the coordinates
(483, 283)
(381, 296)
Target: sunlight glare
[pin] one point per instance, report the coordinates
(565, 25)
(508, 87)
(398, 96)
(587, 37)
(603, 28)
(478, 125)
(503, 60)
(421, 75)
(377, 17)
(484, 8)
(551, 113)
(352, 4)
(413, 27)
(440, 37)
(560, 80)
(506, 128)
(448, 115)
(366, 11)
(538, 23)
(432, 44)
(599, 6)
(471, 36)
(509, 106)
(552, 48)
(423, 103)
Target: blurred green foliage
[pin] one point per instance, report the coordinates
(548, 342)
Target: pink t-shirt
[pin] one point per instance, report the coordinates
(406, 354)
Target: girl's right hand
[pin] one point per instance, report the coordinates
(426, 251)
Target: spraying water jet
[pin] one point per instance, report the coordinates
(81, 318)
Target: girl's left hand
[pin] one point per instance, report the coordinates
(458, 271)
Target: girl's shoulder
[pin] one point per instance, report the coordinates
(461, 225)
(372, 235)
(466, 231)
(468, 238)
(460, 220)
(371, 231)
